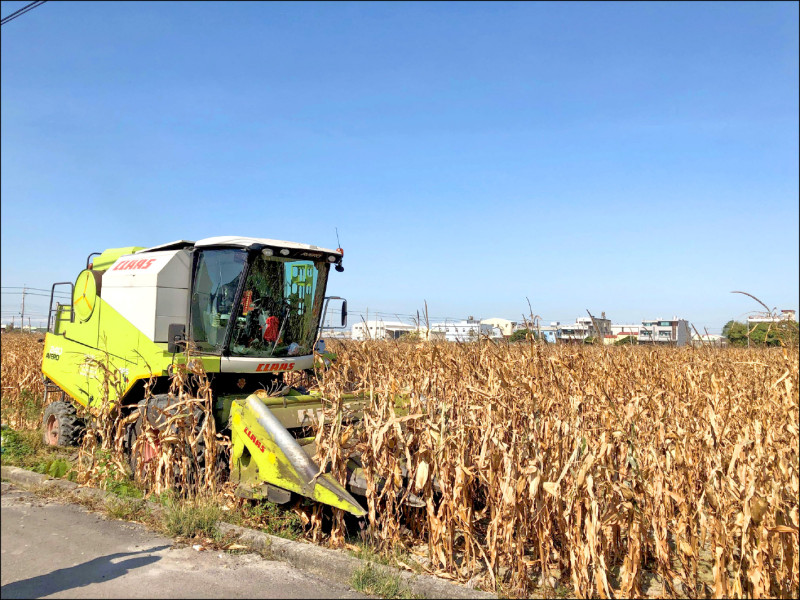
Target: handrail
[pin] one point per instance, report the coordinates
(71, 308)
(88, 258)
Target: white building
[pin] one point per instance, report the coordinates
(380, 330)
(461, 331)
(501, 328)
(622, 330)
(336, 334)
(709, 339)
(665, 331)
(582, 328)
(625, 329)
(784, 315)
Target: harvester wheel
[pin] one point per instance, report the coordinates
(157, 411)
(62, 426)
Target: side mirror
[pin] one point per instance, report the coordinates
(329, 313)
(176, 337)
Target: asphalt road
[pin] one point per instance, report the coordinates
(55, 550)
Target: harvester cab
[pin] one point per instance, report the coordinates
(250, 310)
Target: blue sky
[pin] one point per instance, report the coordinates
(638, 159)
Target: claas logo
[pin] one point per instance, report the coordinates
(133, 264)
(275, 367)
(254, 439)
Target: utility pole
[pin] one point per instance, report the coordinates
(22, 321)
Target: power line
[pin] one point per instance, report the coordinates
(34, 294)
(21, 11)
(8, 287)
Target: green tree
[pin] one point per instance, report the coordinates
(520, 335)
(761, 334)
(735, 332)
(788, 332)
(772, 334)
(628, 340)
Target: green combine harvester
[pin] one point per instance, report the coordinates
(251, 309)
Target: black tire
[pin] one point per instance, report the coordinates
(61, 425)
(157, 410)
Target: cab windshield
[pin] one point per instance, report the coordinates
(216, 279)
(277, 313)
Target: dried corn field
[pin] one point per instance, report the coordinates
(602, 468)
(21, 380)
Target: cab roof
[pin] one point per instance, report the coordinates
(239, 242)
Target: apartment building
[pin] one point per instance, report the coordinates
(665, 331)
(584, 327)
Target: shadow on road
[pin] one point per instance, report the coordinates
(97, 570)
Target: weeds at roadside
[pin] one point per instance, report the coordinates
(190, 518)
(372, 581)
(19, 446)
(365, 552)
(51, 492)
(183, 519)
(399, 558)
(25, 449)
(269, 518)
(126, 489)
(127, 509)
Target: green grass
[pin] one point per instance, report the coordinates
(268, 517)
(25, 449)
(191, 518)
(399, 555)
(126, 488)
(364, 552)
(20, 446)
(127, 509)
(372, 581)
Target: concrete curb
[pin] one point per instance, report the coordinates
(333, 564)
(30, 479)
(323, 562)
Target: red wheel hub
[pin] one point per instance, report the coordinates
(148, 451)
(51, 427)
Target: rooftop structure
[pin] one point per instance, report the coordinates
(784, 315)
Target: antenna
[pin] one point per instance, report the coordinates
(339, 267)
